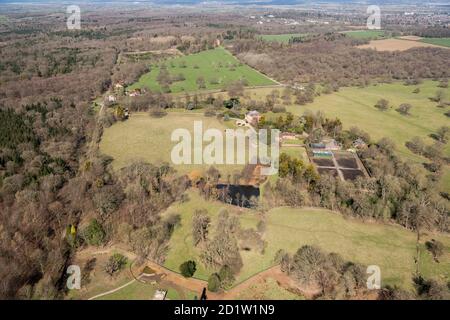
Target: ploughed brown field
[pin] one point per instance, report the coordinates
(347, 163)
(395, 45)
(332, 172)
(323, 162)
(352, 174)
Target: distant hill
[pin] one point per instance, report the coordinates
(240, 2)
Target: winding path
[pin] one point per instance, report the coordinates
(113, 290)
(197, 285)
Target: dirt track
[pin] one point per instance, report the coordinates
(197, 285)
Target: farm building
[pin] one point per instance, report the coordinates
(326, 144)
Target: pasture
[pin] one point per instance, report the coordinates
(390, 247)
(267, 289)
(444, 42)
(218, 67)
(355, 107)
(143, 138)
(135, 291)
(296, 152)
(366, 34)
(145, 291)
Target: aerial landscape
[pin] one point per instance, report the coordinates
(224, 150)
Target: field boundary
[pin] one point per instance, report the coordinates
(114, 290)
(265, 75)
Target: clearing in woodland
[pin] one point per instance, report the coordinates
(206, 70)
(144, 138)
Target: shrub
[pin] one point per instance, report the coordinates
(416, 145)
(201, 82)
(214, 81)
(190, 105)
(226, 277)
(261, 226)
(157, 113)
(188, 268)
(443, 134)
(209, 113)
(443, 83)
(179, 77)
(94, 234)
(382, 104)
(438, 97)
(404, 108)
(166, 88)
(200, 226)
(279, 109)
(214, 282)
(436, 248)
(279, 256)
(115, 263)
(430, 289)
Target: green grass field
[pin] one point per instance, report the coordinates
(145, 291)
(445, 42)
(296, 152)
(366, 34)
(144, 138)
(281, 37)
(267, 290)
(390, 247)
(217, 66)
(445, 181)
(355, 107)
(135, 291)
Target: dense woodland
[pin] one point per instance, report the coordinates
(346, 66)
(58, 194)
